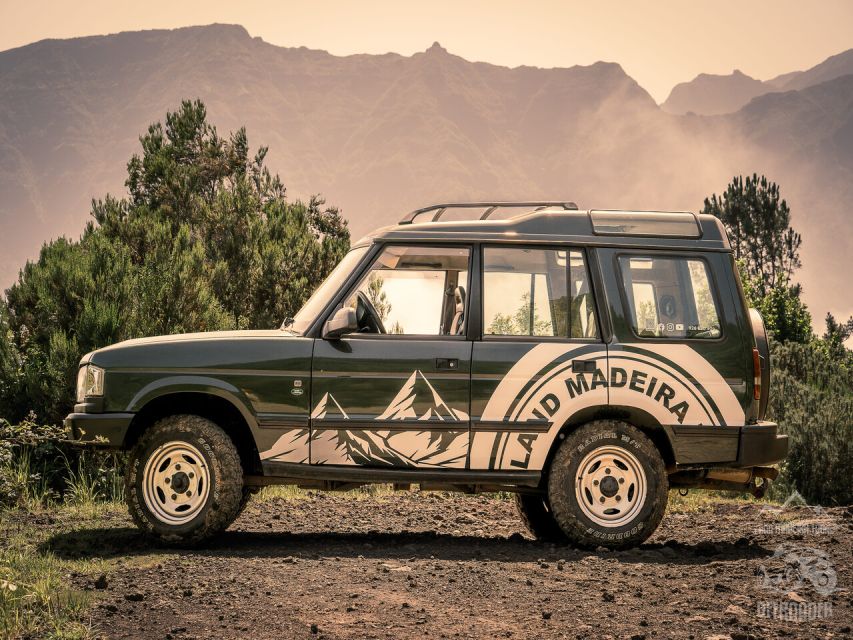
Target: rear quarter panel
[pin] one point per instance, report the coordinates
(711, 375)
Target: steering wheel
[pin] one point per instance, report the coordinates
(367, 316)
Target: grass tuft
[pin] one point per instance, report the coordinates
(698, 500)
(35, 600)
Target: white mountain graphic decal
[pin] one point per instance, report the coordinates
(328, 406)
(419, 400)
(417, 446)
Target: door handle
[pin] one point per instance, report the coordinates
(584, 366)
(447, 363)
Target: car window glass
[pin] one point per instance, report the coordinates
(414, 291)
(536, 292)
(670, 297)
(327, 290)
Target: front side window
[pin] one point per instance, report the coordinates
(537, 292)
(414, 290)
(670, 297)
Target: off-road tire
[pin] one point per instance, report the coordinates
(563, 477)
(535, 513)
(225, 475)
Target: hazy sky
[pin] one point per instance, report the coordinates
(659, 43)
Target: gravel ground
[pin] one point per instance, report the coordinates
(425, 565)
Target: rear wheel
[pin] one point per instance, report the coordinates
(184, 481)
(608, 486)
(536, 514)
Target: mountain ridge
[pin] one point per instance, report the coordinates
(711, 94)
(380, 135)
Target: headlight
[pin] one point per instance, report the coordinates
(90, 382)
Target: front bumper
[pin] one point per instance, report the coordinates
(754, 445)
(106, 429)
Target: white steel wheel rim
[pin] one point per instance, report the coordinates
(611, 486)
(175, 482)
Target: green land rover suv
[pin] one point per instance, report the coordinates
(586, 361)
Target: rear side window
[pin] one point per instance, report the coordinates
(537, 292)
(670, 297)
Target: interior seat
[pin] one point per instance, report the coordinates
(458, 322)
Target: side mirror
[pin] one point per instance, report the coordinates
(341, 323)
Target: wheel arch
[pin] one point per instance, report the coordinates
(639, 418)
(215, 405)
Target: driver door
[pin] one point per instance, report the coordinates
(396, 393)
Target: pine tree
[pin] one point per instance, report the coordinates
(378, 298)
(786, 317)
(836, 334)
(205, 239)
(758, 222)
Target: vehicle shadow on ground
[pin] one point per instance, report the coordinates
(126, 541)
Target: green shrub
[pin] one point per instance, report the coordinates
(811, 397)
(37, 467)
(204, 239)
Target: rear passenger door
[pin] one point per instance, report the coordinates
(677, 352)
(539, 359)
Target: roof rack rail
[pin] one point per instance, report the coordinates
(489, 207)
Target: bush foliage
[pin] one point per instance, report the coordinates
(205, 239)
(811, 397)
(811, 391)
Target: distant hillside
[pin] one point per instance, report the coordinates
(714, 95)
(381, 134)
(830, 69)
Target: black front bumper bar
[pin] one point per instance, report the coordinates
(106, 429)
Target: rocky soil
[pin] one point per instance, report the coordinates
(427, 565)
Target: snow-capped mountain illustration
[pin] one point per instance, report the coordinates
(419, 400)
(328, 407)
(292, 446)
(392, 448)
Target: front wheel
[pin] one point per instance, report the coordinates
(184, 481)
(607, 486)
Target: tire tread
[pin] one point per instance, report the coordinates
(564, 514)
(229, 478)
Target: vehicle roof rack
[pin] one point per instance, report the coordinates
(489, 207)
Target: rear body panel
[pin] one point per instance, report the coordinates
(524, 392)
(707, 377)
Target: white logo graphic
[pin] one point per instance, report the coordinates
(794, 500)
(793, 568)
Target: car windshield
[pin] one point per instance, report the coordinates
(321, 296)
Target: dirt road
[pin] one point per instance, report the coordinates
(442, 566)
